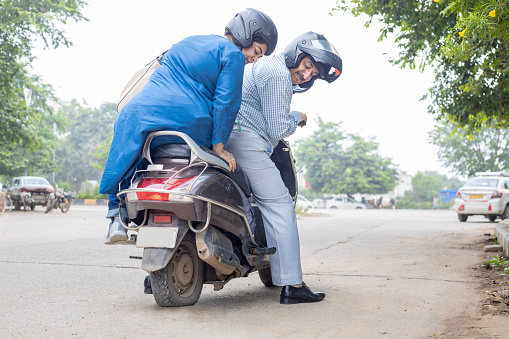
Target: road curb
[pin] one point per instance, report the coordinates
(91, 202)
(502, 234)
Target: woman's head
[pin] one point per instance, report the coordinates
(254, 32)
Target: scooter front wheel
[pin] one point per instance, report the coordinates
(265, 275)
(181, 281)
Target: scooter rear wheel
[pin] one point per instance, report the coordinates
(181, 281)
(65, 206)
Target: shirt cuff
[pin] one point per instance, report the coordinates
(296, 116)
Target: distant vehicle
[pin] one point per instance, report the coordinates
(486, 194)
(319, 203)
(303, 202)
(29, 192)
(60, 199)
(349, 203)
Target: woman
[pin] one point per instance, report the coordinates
(196, 90)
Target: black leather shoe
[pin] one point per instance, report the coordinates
(147, 285)
(294, 295)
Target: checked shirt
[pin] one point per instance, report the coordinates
(266, 97)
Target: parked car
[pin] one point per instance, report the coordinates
(29, 192)
(303, 202)
(486, 194)
(319, 203)
(344, 203)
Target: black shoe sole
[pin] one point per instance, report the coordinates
(292, 301)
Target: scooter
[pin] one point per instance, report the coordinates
(188, 213)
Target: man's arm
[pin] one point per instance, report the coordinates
(276, 96)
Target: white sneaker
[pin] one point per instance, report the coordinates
(117, 233)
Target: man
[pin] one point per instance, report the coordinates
(264, 119)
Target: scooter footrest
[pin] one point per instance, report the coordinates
(262, 250)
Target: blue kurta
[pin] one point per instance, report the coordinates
(197, 90)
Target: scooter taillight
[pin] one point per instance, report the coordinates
(159, 184)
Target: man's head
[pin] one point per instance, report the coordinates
(311, 51)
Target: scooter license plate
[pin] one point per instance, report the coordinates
(157, 237)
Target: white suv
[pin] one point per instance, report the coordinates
(487, 194)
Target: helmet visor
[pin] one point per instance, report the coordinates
(324, 45)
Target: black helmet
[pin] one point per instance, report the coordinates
(321, 51)
(251, 22)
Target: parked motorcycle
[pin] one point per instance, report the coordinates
(187, 207)
(60, 199)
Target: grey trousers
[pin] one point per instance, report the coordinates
(252, 153)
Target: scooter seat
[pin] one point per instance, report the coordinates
(183, 151)
(176, 151)
(172, 151)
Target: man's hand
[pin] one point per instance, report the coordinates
(304, 120)
(227, 156)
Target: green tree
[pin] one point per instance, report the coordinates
(319, 155)
(34, 157)
(466, 43)
(26, 127)
(87, 129)
(427, 185)
(336, 162)
(468, 152)
(100, 154)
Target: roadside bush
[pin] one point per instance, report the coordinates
(413, 205)
(408, 202)
(300, 210)
(91, 194)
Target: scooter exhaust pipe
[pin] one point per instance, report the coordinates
(216, 249)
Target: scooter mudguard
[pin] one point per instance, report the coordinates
(155, 259)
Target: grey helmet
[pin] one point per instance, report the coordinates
(324, 56)
(250, 22)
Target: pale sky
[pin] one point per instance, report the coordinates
(371, 98)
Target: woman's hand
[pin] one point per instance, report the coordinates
(227, 156)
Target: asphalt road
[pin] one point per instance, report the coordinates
(386, 273)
